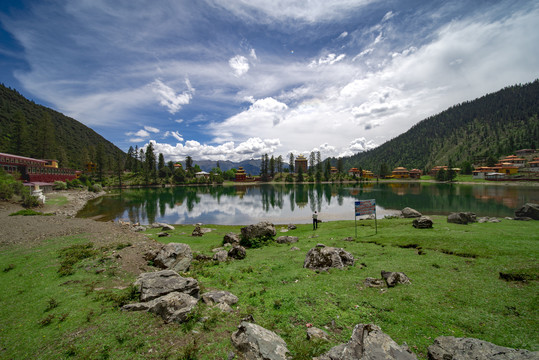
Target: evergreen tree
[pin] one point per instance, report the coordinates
(291, 162)
(279, 164)
(161, 165)
(300, 175)
(189, 165)
(100, 161)
(327, 170)
(129, 160)
(136, 163)
(339, 165)
(272, 167)
(45, 134)
(441, 175)
(150, 162)
(384, 171)
(20, 140)
(311, 163)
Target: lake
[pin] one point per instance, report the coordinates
(291, 203)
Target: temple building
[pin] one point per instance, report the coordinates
(240, 175)
(301, 162)
(400, 173)
(415, 174)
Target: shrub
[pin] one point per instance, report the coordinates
(256, 242)
(6, 191)
(75, 183)
(73, 254)
(95, 188)
(29, 201)
(60, 185)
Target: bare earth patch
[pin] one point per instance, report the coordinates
(28, 231)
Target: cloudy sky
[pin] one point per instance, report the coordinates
(234, 79)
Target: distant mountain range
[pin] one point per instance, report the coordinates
(494, 125)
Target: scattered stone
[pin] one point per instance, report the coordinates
(151, 254)
(372, 282)
(286, 239)
(522, 218)
(138, 228)
(157, 225)
(215, 250)
(257, 343)
(410, 213)
(394, 278)
(220, 256)
(461, 218)
(231, 238)
(197, 231)
(313, 236)
(294, 248)
(156, 284)
(163, 234)
(349, 238)
(167, 227)
(488, 219)
(324, 257)
(508, 218)
(528, 210)
(237, 252)
(202, 257)
(174, 306)
(222, 299)
(449, 347)
(368, 342)
(261, 230)
(292, 227)
(314, 333)
(174, 256)
(424, 222)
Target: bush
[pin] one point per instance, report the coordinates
(75, 183)
(6, 191)
(29, 201)
(95, 188)
(60, 185)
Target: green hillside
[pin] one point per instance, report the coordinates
(494, 125)
(29, 129)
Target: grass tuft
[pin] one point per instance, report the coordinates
(71, 255)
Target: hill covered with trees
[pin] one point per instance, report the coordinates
(491, 126)
(33, 130)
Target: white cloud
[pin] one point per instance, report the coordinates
(179, 121)
(388, 16)
(174, 134)
(239, 64)
(168, 97)
(141, 133)
(151, 129)
(136, 140)
(251, 148)
(343, 35)
(252, 53)
(330, 59)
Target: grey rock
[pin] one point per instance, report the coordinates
(163, 234)
(219, 297)
(167, 227)
(257, 343)
(294, 248)
(370, 343)
(173, 307)
(316, 333)
(156, 284)
(221, 256)
(461, 218)
(231, 238)
(327, 257)
(423, 222)
(138, 228)
(349, 238)
(237, 252)
(197, 231)
(174, 256)
(394, 278)
(528, 210)
(488, 219)
(261, 230)
(522, 218)
(449, 347)
(372, 282)
(292, 227)
(410, 213)
(286, 239)
(157, 225)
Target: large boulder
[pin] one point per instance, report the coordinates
(370, 343)
(423, 222)
(449, 347)
(237, 252)
(262, 230)
(197, 231)
(220, 256)
(528, 210)
(462, 218)
(324, 257)
(314, 333)
(286, 239)
(156, 284)
(172, 307)
(408, 212)
(257, 343)
(220, 298)
(394, 278)
(174, 256)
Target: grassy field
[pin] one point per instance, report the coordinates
(456, 290)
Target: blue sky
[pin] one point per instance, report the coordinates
(234, 79)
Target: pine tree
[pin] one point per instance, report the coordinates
(272, 167)
(291, 162)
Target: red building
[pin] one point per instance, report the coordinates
(240, 175)
(35, 170)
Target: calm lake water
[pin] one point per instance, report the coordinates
(290, 203)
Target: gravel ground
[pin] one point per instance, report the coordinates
(28, 231)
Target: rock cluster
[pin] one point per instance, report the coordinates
(324, 257)
(221, 299)
(262, 230)
(410, 213)
(423, 222)
(286, 239)
(257, 343)
(462, 218)
(449, 347)
(529, 210)
(174, 256)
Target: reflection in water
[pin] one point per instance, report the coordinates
(284, 203)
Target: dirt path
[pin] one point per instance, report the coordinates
(31, 230)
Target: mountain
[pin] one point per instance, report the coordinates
(33, 130)
(491, 126)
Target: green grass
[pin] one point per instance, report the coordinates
(456, 290)
(55, 199)
(29, 212)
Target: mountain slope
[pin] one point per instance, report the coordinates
(493, 125)
(33, 130)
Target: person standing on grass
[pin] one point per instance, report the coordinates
(315, 220)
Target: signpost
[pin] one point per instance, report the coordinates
(366, 207)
